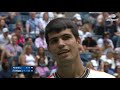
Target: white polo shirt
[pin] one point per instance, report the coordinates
(4, 41)
(89, 73)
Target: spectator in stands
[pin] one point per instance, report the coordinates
(117, 56)
(110, 25)
(109, 58)
(14, 49)
(80, 31)
(107, 68)
(33, 25)
(99, 27)
(27, 58)
(78, 21)
(117, 71)
(42, 69)
(89, 43)
(105, 43)
(2, 25)
(52, 65)
(86, 28)
(106, 47)
(29, 41)
(11, 21)
(45, 19)
(3, 15)
(5, 37)
(41, 54)
(18, 16)
(116, 37)
(6, 70)
(97, 62)
(19, 25)
(20, 41)
(50, 14)
(40, 41)
(4, 54)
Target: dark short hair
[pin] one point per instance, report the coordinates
(105, 34)
(26, 39)
(59, 24)
(42, 32)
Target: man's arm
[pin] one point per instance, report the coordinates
(27, 27)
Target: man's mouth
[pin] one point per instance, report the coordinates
(63, 52)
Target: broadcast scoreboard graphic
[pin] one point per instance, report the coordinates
(22, 69)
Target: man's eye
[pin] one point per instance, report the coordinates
(53, 41)
(66, 37)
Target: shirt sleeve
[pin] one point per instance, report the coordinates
(37, 42)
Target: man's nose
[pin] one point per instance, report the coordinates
(61, 43)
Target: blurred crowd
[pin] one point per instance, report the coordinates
(22, 42)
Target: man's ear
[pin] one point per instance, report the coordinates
(78, 40)
(80, 47)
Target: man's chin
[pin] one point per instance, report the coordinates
(65, 60)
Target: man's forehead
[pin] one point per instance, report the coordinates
(57, 34)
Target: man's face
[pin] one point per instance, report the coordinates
(14, 39)
(63, 46)
(45, 16)
(19, 25)
(18, 32)
(118, 69)
(33, 15)
(41, 50)
(116, 56)
(5, 34)
(2, 22)
(30, 41)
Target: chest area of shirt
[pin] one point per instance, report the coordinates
(14, 48)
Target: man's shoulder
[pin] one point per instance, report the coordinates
(91, 74)
(99, 74)
(8, 45)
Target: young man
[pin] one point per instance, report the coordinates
(63, 42)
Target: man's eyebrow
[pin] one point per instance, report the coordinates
(53, 38)
(60, 36)
(66, 35)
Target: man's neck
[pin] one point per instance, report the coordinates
(42, 38)
(71, 71)
(32, 18)
(14, 44)
(5, 36)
